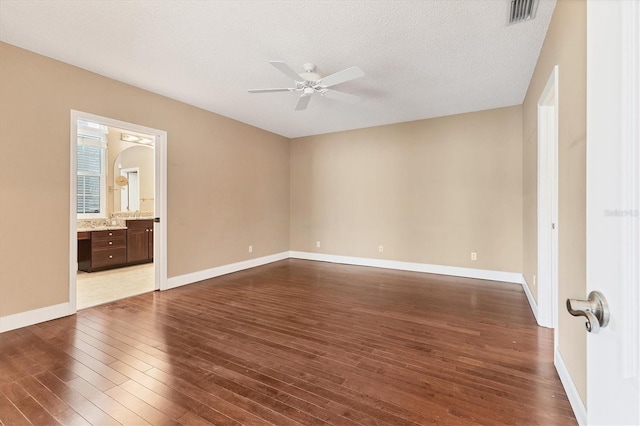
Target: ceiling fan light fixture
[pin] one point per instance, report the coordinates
(309, 74)
(312, 83)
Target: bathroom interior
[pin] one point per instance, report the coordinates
(115, 214)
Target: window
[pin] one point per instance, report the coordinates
(92, 175)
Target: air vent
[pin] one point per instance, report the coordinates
(522, 10)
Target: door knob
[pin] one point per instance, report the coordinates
(595, 309)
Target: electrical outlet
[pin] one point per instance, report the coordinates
(250, 249)
(380, 249)
(534, 280)
(474, 255)
(318, 244)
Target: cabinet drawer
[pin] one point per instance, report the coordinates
(140, 223)
(111, 242)
(102, 235)
(108, 257)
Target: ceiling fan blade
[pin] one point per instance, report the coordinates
(286, 69)
(302, 103)
(270, 90)
(340, 96)
(341, 77)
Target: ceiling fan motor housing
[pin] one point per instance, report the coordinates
(309, 74)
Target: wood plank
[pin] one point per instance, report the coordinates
(107, 404)
(164, 405)
(77, 402)
(28, 406)
(50, 401)
(10, 414)
(141, 408)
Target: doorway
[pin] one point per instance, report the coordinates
(130, 193)
(547, 271)
(117, 210)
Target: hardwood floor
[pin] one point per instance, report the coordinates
(293, 342)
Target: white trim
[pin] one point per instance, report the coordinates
(532, 301)
(160, 209)
(193, 277)
(73, 208)
(547, 267)
(482, 274)
(579, 410)
(57, 311)
(160, 229)
(35, 316)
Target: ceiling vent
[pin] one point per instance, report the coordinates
(522, 10)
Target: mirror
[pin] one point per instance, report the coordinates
(131, 172)
(135, 166)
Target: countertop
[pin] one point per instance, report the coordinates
(102, 228)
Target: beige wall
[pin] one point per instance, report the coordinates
(429, 191)
(228, 183)
(565, 46)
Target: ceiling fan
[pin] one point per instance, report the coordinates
(309, 83)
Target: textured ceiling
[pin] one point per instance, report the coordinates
(422, 59)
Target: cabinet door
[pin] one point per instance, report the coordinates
(137, 244)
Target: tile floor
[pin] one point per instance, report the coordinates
(97, 288)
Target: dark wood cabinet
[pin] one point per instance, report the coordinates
(84, 250)
(99, 250)
(139, 241)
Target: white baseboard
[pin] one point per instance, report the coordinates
(193, 277)
(24, 319)
(579, 410)
(482, 274)
(532, 301)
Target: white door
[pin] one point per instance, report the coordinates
(613, 191)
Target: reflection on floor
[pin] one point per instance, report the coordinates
(96, 288)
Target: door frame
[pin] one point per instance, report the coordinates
(160, 229)
(547, 268)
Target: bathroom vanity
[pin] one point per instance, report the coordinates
(115, 247)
